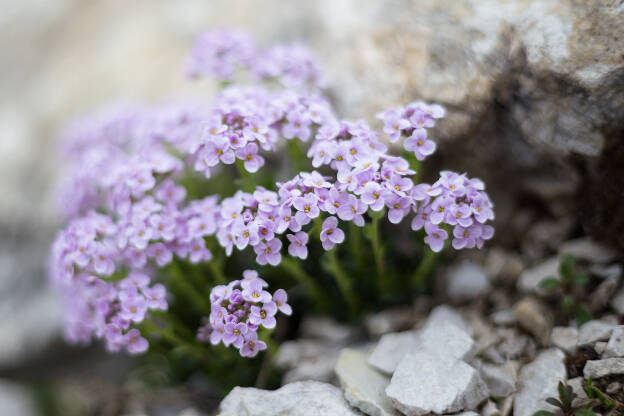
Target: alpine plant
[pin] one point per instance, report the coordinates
(128, 213)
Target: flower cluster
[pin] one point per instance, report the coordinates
(219, 53)
(412, 122)
(239, 309)
(128, 214)
(96, 304)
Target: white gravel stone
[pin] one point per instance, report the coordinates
(564, 337)
(304, 398)
(533, 317)
(603, 368)
(363, 387)
(503, 317)
(618, 302)
(490, 409)
(391, 348)
(466, 281)
(447, 341)
(445, 313)
(537, 381)
(588, 249)
(15, 400)
(594, 331)
(529, 279)
(499, 379)
(615, 346)
(424, 382)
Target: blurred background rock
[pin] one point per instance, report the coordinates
(534, 92)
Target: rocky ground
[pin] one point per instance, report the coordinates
(535, 97)
(496, 345)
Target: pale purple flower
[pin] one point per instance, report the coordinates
(134, 309)
(307, 208)
(435, 237)
(135, 343)
(246, 234)
(297, 126)
(439, 207)
(264, 315)
(398, 207)
(218, 331)
(249, 156)
(298, 245)
(156, 297)
(373, 196)
(234, 333)
(331, 234)
(160, 253)
(465, 237)
(394, 124)
(419, 144)
(269, 252)
(217, 149)
(103, 260)
(280, 297)
(252, 345)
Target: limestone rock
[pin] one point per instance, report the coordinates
(500, 380)
(595, 330)
(466, 281)
(15, 400)
(391, 348)
(305, 398)
(533, 317)
(390, 320)
(325, 329)
(537, 381)
(307, 359)
(603, 368)
(565, 338)
(615, 347)
(363, 387)
(590, 250)
(425, 382)
(530, 279)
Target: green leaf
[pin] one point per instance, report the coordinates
(554, 402)
(582, 315)
(543, 413)
(584, 412)
(566, 267)
(377, 214)
(580, 278)
(567, 303)
(550, 283)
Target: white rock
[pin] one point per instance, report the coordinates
(533, 317)
(325, 329)
(390, 320)
(537, 381)
(587, 249)
(593, 331)
(600, 347)
(15, 400)
(577, 386)
(499, 379)
(447, 341)
(466, 281)
(504, 317)
(529, 279)
(305, 398)
(615, 346)
(391, 348)
(564, 337)
(307, 359)
(445, 313)
(603, 368)
(363, 387)
(425, 382)
(618, 302)
(490, 409)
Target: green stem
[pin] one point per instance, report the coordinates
(292, 267)
(343, 280)
(424, 268)
(296, 155)
(378, 251)
(248, 182)
(217, 273)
